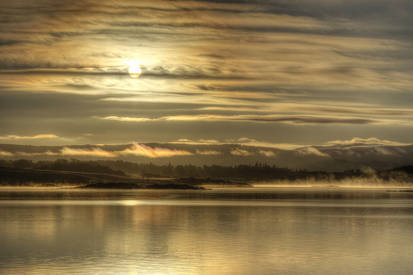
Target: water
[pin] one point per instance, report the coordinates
(255, 231)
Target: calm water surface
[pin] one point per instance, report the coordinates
(256, 231)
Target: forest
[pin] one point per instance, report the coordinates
(75, 171)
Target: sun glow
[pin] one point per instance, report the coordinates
(134, 68)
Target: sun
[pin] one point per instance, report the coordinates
(134, 68)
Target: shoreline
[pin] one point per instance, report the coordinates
(203, 187)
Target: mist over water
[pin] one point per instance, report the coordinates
(213, 232)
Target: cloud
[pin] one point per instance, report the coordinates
(40, 136)
(335, 155)
(268, 154)
(127, 119)
(297, 63)
(146, 74)
(288, 119)
(311, 151)
(196, 142)
(135, 149)
(152, 152)
(372, 141)
(95, 152)
(209, 141)
(37, 154)
(246, 140)
(207, 152)
(386, 151)
(241, 141)
(241, 152)
(317, 108)
(256, 143)
(6, 154)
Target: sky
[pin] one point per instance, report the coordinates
(296, 73)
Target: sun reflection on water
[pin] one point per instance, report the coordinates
(130, 202)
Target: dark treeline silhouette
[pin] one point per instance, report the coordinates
(62, 165)
(149, 170)
(185, 173)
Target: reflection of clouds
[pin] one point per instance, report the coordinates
(202, 239)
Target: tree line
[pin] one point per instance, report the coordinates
(258, 171)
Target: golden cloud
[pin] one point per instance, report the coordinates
(267, 153)
(40, 136)
(135, 149)
(241, 152)
(366, 141)
(95, 152)
(286, 119)
(6, 154)
(311, 151)
(152, 152)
